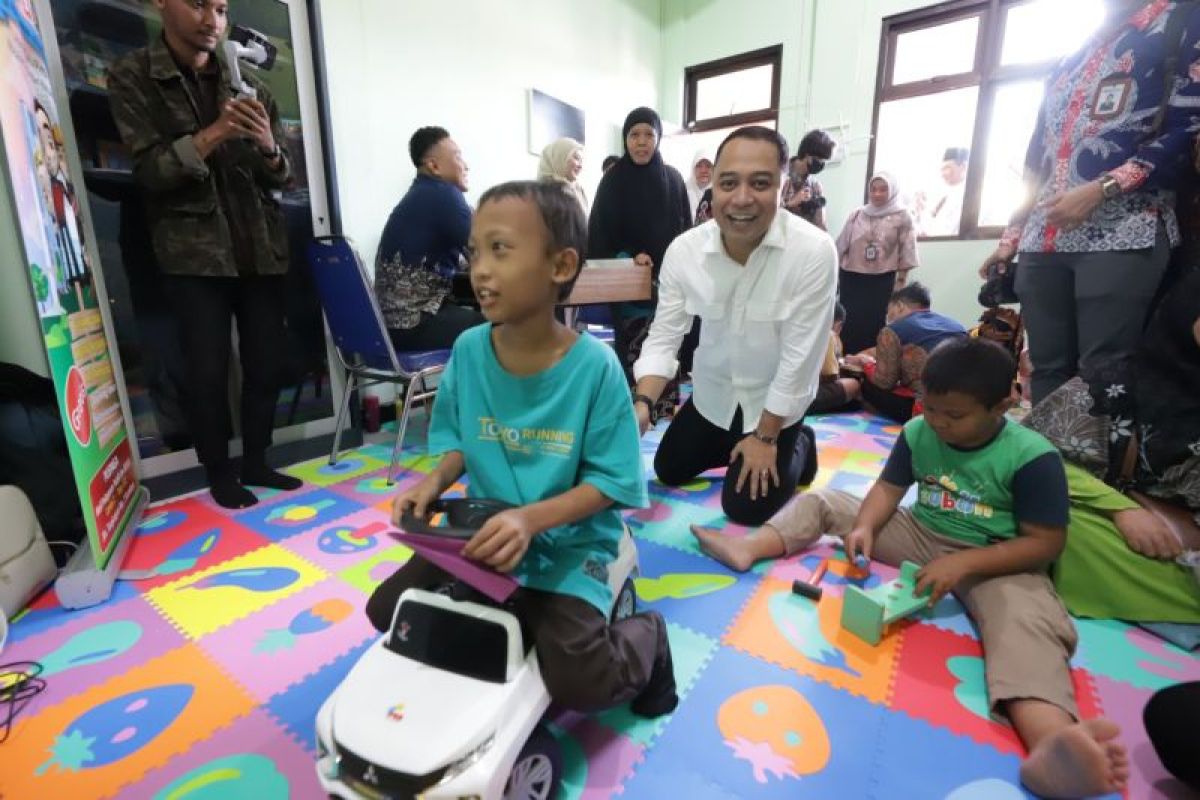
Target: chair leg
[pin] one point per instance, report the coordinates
(342, 412)
(402, 426)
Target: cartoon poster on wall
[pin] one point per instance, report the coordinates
(47, 201)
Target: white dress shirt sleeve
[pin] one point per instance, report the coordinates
(805, 334)
(671, 322)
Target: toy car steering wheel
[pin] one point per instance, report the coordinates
(464, 517)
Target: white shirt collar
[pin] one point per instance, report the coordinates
(775, 237)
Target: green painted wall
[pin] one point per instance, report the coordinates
(466, 65)
(20, 333)
(828, 82)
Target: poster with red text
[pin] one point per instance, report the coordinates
(52, 233)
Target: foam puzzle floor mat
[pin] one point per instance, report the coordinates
(203, 679)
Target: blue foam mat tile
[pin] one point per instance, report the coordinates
(296, 708)
(915, 759)
(691, 589)
(797, 738)
(299, 513)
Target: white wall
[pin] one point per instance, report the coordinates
(466, 65)
(828, 81)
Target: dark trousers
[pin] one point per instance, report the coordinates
(1086, 310)
(1170, 718)
(692, 445)
(887, 403)
(865, 298)
(204, 308)
(588, 664)
(435, 331)
(831, 398)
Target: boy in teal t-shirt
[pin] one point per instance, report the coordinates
(989, 518)
(539, 417)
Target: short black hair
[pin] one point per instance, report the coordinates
(424, 140)
(976, 367)
(759, 133)
(816, 143)
(608, 162)
(839, 312)
(914, 294)
(561, 214)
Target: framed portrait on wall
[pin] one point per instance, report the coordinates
(551, 119)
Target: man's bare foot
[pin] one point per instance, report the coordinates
(734, 553)
(1082, 760)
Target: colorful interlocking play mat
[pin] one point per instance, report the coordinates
(203, 680)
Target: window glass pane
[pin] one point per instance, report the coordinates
(1046, 30)
(947, 49)
(1014, 113)
(734, 92)
(915, 151)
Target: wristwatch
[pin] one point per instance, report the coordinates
(641, 398)
(1109, 186)
(764, 438)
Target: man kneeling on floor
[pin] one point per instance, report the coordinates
(989, 517)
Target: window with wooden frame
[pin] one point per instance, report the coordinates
(734, 91)
(964, 79)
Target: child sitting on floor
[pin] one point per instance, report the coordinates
(835, 392)
(539, 417)
(990, 516)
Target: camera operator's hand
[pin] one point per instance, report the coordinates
(1002, 256)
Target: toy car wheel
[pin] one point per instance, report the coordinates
(626, 605)
(538, 769)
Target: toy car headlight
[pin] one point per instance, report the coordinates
(329, 762)
(467, 761)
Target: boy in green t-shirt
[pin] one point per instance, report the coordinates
(989, 517)
(539, 417)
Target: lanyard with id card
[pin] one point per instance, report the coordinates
(872, 251)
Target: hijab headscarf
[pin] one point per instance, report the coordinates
(639, 208)
(894, 202)
(696, 191)
(556, 164)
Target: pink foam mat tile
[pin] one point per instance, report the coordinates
(596, 760)
(342, 543)
(252, 758)
(88, 649)
(1148, 780)
(289, 640)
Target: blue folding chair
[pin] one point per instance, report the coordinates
(361, 337)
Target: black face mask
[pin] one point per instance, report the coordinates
(815, 165)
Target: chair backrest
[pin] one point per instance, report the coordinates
(353, 315)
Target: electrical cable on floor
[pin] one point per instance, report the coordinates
(19, 683)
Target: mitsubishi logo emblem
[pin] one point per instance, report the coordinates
(370, 777)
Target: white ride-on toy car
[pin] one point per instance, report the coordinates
(447, 705)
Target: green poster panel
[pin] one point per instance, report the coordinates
(52, 235)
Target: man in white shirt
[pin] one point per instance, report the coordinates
(942, 216)
(763, 283)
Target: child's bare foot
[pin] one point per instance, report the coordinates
(733, 552)
(1082, 760)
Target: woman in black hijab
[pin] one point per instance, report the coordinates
(641, 205)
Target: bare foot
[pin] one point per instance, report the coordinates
(1081, 760)
(732, 552)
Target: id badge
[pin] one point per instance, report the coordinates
(1112, 95)
(872, 252)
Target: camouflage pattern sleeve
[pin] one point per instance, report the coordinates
(274, 178)
(160, 164)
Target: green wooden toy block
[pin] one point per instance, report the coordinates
(867, 613)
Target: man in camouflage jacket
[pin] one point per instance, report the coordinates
(207, 164)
